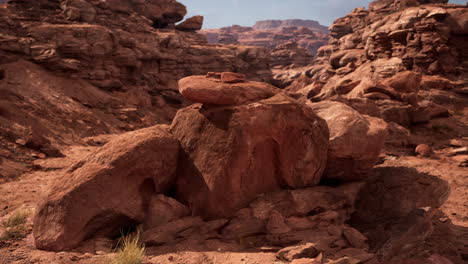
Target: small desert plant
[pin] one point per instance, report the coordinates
(17, 218)
(130, 251)
(14, 225)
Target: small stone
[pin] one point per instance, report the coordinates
(298, 252)
(423, 150)
(74, 258)
(306, 261)
(459, 151)
(276, 224)
(216, 75)
(21, 142)
(231, 77)
(355, 238)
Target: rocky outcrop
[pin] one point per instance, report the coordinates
(307, 34)
(94, 67)
(114, 55)
(161, 12)
(382, 54)
(108, 191)
(191, 24)
(290, 55)
(231, 154)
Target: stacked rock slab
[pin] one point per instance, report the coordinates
(107, 191)
(239, 149)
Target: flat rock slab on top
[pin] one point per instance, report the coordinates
(211, 90)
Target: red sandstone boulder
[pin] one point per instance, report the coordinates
(355, 140)
(234, 153)
(108, 190)
(213, 91)
(191, 24)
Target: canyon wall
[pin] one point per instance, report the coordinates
(74, 68)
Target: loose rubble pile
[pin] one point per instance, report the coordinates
(241, 166)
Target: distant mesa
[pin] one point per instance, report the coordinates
(308, 34)
(279, 24)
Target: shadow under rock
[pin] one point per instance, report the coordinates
(396, 210)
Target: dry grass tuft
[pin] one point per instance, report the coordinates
(131, 251)
(15, 225)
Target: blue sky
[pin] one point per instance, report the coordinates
(220, 13)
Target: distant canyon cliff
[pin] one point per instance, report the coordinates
(308, 34)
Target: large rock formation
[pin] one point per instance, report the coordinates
(109, 190)
(233, 153)
(308, 34)
(383, 54)
(89, 67)
(245, 171)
